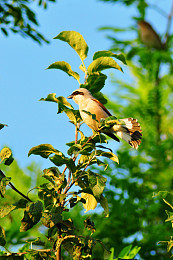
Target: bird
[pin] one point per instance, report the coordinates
(127, 129)
(149, 36)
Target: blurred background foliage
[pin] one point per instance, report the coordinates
(17, 16)
(135, 215)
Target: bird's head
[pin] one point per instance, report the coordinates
(80, 95)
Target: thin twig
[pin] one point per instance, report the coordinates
(13, 187)
(159, 10)
(169, 24)
(76, 133)
(80, 175)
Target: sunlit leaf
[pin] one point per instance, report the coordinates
(52, 97)
(5, 153)
(2, 237)
(134, 251)
(3, 183)
(125, 251)
(73, 115)
(99, 54)
(64, 66)
(32, 215)
(44, 150)
(96, 183)
(76, 41)
(103, 63)
(109, 155)
(91, 202)
(5, 210)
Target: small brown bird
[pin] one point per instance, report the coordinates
(128, 128)
(149, 36)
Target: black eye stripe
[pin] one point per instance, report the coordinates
(77, 93)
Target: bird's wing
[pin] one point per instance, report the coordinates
(112, 136)
(102, 106)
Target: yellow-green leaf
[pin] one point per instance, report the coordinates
(52, 98)
(109, 155)
(76, 41)
(91, 202)
(103, 63)
(5, 153)
(99, 54)
(64, 66)
(44, 150)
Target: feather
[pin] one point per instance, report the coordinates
(112, 136)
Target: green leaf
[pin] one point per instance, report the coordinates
(111, 257)
(2, 237)
(100, 97)
(2, 125)
(89, 224)
(74, 149)
(170, 216)
(109, 155)
(44, 150)
(125, 251)
(99, 54)
(51, 219)
(52, 98)
(96, 183)
(103, 63)
(5, 210)
(134, 251)
(3, 183)
(73, 115)
(76, 41)
(95, 82)
(104, 203)
(59, 160)
(32, 215)
(93, 116)
(64, 66)
(91, 202)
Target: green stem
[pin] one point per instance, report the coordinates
(13, 188)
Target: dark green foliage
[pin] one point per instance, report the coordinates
(135, 215)
(17, 17)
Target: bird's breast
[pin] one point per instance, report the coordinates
(94, 108)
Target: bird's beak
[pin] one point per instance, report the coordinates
(70, 97)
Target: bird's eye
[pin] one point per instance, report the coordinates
(77, 93)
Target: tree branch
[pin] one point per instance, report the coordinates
(13, 187)
(169, 24)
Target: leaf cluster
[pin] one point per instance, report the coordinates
(17, 17)
(94, 78)
(55, 197)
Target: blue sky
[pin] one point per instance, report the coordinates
(24, 80)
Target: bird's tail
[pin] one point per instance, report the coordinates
(130, 131)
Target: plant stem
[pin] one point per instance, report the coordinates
(69, 187)
(58, 252)
(76, 133)
(13, 188)
(169, 23)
